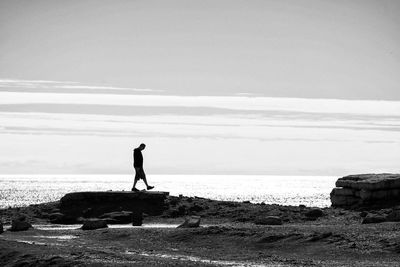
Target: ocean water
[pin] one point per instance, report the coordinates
(22, 190)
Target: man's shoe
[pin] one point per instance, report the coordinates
(150, 187)
(134, 189)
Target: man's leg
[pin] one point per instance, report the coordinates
(145, 181)
(136, 179)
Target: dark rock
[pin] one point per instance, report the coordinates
(61, 218)
(93, 224)
(94, 204)
(137, 218)
(191, 222)
(373, 218)
(363, 214)
(268, 220)
(367, 190)
(314, 213)
(118, 217)
(1, 228)
(19, 225)
(393, 216)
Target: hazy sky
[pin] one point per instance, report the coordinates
(266, 87)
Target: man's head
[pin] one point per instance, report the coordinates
(142, 146)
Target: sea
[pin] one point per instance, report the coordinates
(24, 190)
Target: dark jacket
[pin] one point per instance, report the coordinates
(137, 158)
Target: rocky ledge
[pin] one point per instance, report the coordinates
(367, 191)
(94, 204)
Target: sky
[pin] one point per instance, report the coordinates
(290, 87)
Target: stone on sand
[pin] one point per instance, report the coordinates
(373, 218)
(314, 213)
(92, 224)
(191, 222)
(20, 225)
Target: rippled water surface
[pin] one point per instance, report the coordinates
(21, 190)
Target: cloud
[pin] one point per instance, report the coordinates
(65, 87)
(323, 106)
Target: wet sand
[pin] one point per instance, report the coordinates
(229, 236)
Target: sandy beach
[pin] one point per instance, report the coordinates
(231, 234)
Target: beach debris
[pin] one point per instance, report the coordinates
(19, 224)
(190, 222)
(366, 190)
(137, 218)
(92, 224)
(314, 213)
(118, 217)
(373, 218)
(268, 220)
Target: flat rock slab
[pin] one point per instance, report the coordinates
(370, 182)
(94, 204)
(367, 190)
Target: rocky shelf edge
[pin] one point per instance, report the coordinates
(367, 190)
(93, 204)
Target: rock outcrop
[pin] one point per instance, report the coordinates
(95, 204)
(366, 190)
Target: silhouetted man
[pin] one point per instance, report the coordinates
(138, 165)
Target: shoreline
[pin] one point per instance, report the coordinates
(229, 235)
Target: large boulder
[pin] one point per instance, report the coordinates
(92, 224)
(95, 204)
(191, 222)
(20, 225)
(366, 190)
(268, 220)
(118, 217)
